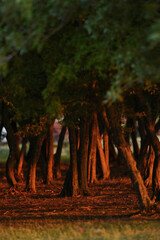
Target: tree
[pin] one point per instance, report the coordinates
(84, 53)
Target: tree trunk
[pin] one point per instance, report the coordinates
(112, 151)
(156, 166)
(131, 131)
(83, 156)
(92, 176)
(1, 127)
(136, 149)
(50, 158)
(33, 156)
(141, 129)
(144, 200)
(142, 160)
(143, 197)
(11, 139)
(21, 160)
(149, 167)
(71, 185)
(77, 138)
(106, 151)
(57, 156)
(154, 141)
(101, 154)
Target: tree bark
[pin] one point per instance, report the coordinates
(50, 157)
(33, 156)
(105, 170)
(83, 156)
(143, 197)
(11, 139)
(57, 156)
(112, 151)
(71, 185)
(136, 149)
(142, 160)
(149, 167)
(92, 176)
(150, 129)
(106, 151)
(156, 166)
(21, 160)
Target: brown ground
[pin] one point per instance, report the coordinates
(112, 199)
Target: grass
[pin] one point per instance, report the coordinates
(3, 152)
(65, 156)
(114, 230)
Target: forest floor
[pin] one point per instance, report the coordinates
(112, 199)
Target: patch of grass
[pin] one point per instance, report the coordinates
(4, 150)
(65, 156)
(4, 153)
(117, 230)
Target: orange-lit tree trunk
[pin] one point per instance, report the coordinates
(11, 139)
(149, 167)
(106, 151)
(21, 160)
(14, 127)
(50, 157)
(33, 157)
(105, 169)
(92, 177)
(71, 184)
(83, 156)
(142, 159)
(57, 156)
(138, 183)
(149, 123)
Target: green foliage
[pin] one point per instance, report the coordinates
(126, 27)
(70, 55)
(24, 83)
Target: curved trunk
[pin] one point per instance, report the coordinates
(143, 197)
(144, 200)
(33, 157)
(71, 185)
(57, 156)
(10, 168)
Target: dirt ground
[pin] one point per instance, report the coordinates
(113, 199)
